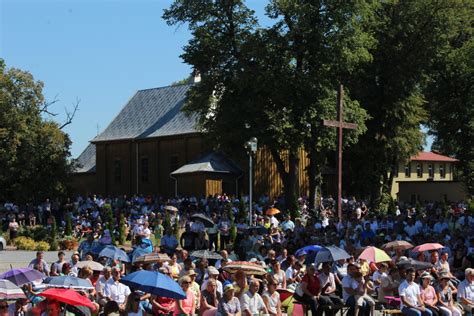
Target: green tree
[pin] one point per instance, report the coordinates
(409, 35)
(34, 152)
(122, 236)
(54, 235)
(68, 229)
(280, 76)
(450, 96)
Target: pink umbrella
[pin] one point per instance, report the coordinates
(427, 247)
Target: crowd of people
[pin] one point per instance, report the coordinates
(275, 241)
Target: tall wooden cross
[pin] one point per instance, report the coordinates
(340, 125)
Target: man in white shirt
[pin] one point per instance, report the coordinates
(116, 291)
(410, 294)
(466, 292)
(328, 284)
(251, 302)
(100, 286)
(350, 289)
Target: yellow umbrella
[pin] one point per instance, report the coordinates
(374, 254)
(272, 211)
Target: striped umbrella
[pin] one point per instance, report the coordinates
(245, 266)
(374, 254)
(10, 291)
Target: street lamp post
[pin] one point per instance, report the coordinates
(251, 147)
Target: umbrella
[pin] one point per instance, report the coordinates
(272, 211)
(152, 258)
(331, 254)
(68, 282)
(374, 254)
(427, 247)
(415, 264)
(307, 249)
(171, 208)
(154, 282)
(206, 254)
(261, 230)
(10, 291)
(78, 310)
(22, 276)
(397, 244)
(91, 264)
(203, 219)
(245, 266)
(67, 296)
(113, 252)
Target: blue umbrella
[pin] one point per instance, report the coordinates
(113, 252)
(154, 282)
(68, 282)
(307, 249)
(331, 254)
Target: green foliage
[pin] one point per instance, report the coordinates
(167, 221)
(109, 220)
(68, 229)
(122, 236)
(37, 233)
(242, 214)
(387, 205)
(409, 36)
(176, 231)
(450, 96)
(282, 75)
(34, 152)
(54, 235)
(25, 243)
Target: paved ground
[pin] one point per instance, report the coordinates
(21, 258)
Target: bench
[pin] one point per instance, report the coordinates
(386, 312)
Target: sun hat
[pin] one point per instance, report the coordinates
(190, 272)
(228, 287)
(212, 271)
(426, 275)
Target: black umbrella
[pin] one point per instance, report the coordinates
(203, 219)
(331, 254)
(415, 264)
(261, 230)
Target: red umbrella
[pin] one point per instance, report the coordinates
(428, 247)
(67, 296)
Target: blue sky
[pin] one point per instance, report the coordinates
(100, 52)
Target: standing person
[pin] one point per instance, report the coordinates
(465, 293)
(185, 306)
(229, 305)
(309, 290)
(224, 230)
(271, 298)
(428, 294)
(13, 227)
(445, 296)
(212, 233)
(410, 294)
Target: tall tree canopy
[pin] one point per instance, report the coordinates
(34, 153)
(277, 82)
(410, 35)
(450, 96)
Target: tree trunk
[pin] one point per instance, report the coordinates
(289, 179)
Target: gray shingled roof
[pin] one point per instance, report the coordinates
(211, 162)
(151, 113)
(86, 160)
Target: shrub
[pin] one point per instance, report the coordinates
(68, 229)
(68, 243)
(42, 246)
(122, 230)
(25, 243)
(54, 235)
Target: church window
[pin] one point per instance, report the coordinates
(419, 170)
(442, 171)
(408, 170)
